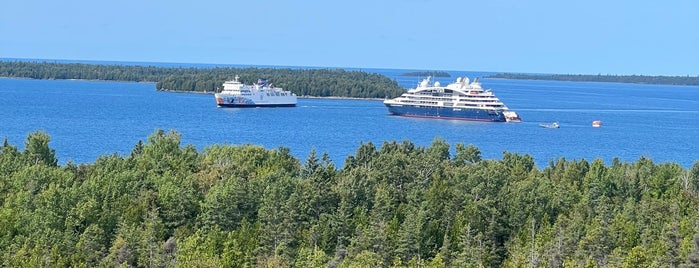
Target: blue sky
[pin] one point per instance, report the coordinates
(587, 37)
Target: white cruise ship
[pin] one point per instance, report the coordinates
(236, 94)
(461, 100)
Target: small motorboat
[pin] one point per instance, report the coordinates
(596, 123)
(552, 125)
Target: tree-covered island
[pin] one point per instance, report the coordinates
(428, 73)
(302, 82)
(636, 79)
(395, 205)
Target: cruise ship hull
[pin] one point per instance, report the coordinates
(447, 113)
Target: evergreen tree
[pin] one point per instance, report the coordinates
(37, 149)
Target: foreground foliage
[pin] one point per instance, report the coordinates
(400, 205)
(303, 82)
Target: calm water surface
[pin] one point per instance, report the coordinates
(86, 119)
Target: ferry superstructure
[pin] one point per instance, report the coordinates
(236, 94)
(461, 100)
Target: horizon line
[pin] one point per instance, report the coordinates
(213, 65)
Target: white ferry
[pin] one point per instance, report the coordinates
(236, 94)
(461, 100)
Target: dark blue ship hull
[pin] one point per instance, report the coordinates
(447, 113)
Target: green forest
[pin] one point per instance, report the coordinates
(635, 79)
(166, 204)
(302, 82)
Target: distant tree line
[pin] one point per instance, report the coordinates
(429, 73)
(303, 82)
(397, 205)
(51, 70)
(636, 79)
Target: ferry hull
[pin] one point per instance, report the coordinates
(256, 105)
(447, 113)
(223, 100)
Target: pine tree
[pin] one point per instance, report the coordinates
(37, 149)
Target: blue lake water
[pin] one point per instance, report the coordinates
(86, 119)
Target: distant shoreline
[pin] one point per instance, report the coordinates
(316, 82)
(77, 79)
(427, 73)
(628, 79)
(339, 98)
(194, 92)
(185, 91)
(300, 97)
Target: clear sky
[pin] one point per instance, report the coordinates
(544, 36)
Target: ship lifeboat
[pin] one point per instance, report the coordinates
(596, 123)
